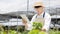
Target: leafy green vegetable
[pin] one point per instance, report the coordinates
(25, 32)
(54, 32)
(36, 28)
(34, 32)
(12, 32)
(37, 25)
(42, 32)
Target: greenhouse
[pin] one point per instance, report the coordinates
(23, 17)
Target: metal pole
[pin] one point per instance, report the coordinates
(27, 6)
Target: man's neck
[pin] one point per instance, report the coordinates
(40, 13)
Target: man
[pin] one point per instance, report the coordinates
(41, 16)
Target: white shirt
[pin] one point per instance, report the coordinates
(47, 19)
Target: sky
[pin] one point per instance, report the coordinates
(7, 6)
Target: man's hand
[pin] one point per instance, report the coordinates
(43, 30)
(24, 21)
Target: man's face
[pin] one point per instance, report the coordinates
(39, 9)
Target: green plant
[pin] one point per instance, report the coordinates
(37, 25)
(37, 28)
(34, 32)
(12, 31)
(54, 32)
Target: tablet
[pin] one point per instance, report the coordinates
(25, 17)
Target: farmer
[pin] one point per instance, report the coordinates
(41, 16)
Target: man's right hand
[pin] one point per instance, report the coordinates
(24, 21)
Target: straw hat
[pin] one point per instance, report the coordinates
(38, 4)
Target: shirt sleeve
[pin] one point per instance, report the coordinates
(47, 22)
(30, 24)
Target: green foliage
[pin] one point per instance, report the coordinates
(9, 32)
(12, 32)
(37, 28)
(42, 32)
(54, 32)
(37, 25)
(25, 32)
(34, 32)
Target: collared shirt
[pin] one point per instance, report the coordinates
(47, 19)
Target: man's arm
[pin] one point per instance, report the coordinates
(28, 26)
(47, 23)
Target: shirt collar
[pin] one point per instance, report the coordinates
(41, 14)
